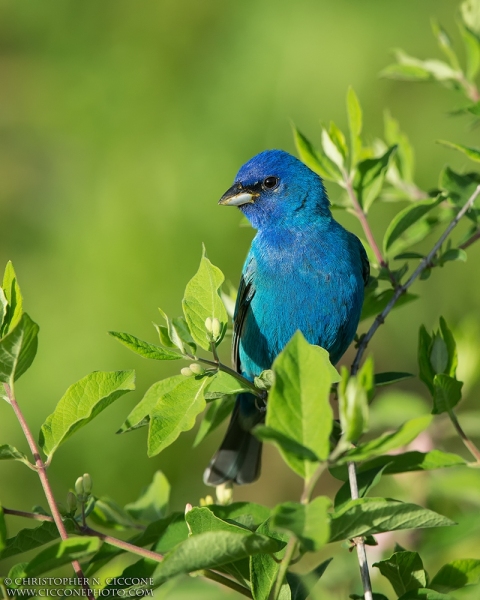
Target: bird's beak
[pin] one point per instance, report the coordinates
(237, 195)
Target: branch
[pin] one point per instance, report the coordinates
(42, 473)
(379, 320)
(470, 240)
(362, 217)
(474, 451)
(127, 547)
(221, 367)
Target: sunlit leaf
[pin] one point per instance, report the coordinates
(18, 349)
(202, 300)
(8, 452)
(298, 404)
(143, 348)
(217, 411)
(354, 111)
(309, 523)
(456, 575)
(472, 153)
(404, 570)
(264, 567)
(153, 501)
(82, 402)
(174, 412)
(369, 178)
(368, 516)
(13, 296)
(313, 158)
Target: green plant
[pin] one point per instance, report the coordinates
(245, 546)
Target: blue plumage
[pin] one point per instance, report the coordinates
(304, 271)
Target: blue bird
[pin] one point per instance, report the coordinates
(304, 272)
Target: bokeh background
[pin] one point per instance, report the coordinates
(121, 124)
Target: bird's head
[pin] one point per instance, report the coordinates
(276, 189)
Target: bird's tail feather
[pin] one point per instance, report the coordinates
(239, 456)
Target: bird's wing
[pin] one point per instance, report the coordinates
(246, 291)
(365, 263)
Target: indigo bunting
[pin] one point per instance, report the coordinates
(304, 272)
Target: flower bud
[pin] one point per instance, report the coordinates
(186, 372)
(224, 493)
(207, 501)
(87, 483)
(208, 324)
(79, 486)
(216, 329)
(197, 369)
(71, 503)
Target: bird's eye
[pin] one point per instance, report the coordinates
(270, 183)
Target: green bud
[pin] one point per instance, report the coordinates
(79, 486)
(265, 380)
(209, 325)
(71, 503)
(87, 483)
(186, 372)
(216, 329)
(196, 369)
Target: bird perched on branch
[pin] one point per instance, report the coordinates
(304, 271)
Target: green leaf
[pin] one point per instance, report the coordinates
(404, 463)
(298, 402)
(145, 349)
(249, 514)
(153, 501)
(354, 111)
(454, 254)
(447, 393)
(410, 68)
(332, 151)
(3, 309)
(309, 523)
(212, 549)
(140, 415)
(3, 530)
(404, 570)
(202, 300)
(404, 158)
(425, 594)
(388, 441)
(365, 481)
(426, 372)
(472, 153)
(456, 575)
(177, 334)
(82, 402)
(445, 44)
(369, 177)
(285, 444)
(107, 513)
(313, 158)
(201, 520)
(216, 413)
(18, 349)
(165, 534)
(338, 139)
(29, 539)
(470, 11)
(59, 554)
(302, 585)
(458, 186)
(472, 51)
(368, 516)
(353, 402)
(176, 411)
(222, 384)
(264, 567)
(8, 452)
(376, 300)
(390, 377)
(405, 72)
(406, 218)
(13, 297)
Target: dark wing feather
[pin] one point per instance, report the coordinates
(246, 291)
(365, 263)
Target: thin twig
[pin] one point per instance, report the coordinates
(359, 542)
(282, 572)
(362, 217)
(42, 473)
(403, 288)
(226, 581)
(243, 380)
(28, 515)
(470, 240)
(474, 451)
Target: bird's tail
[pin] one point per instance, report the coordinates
(239, 457)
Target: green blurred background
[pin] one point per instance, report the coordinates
(121, 124)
